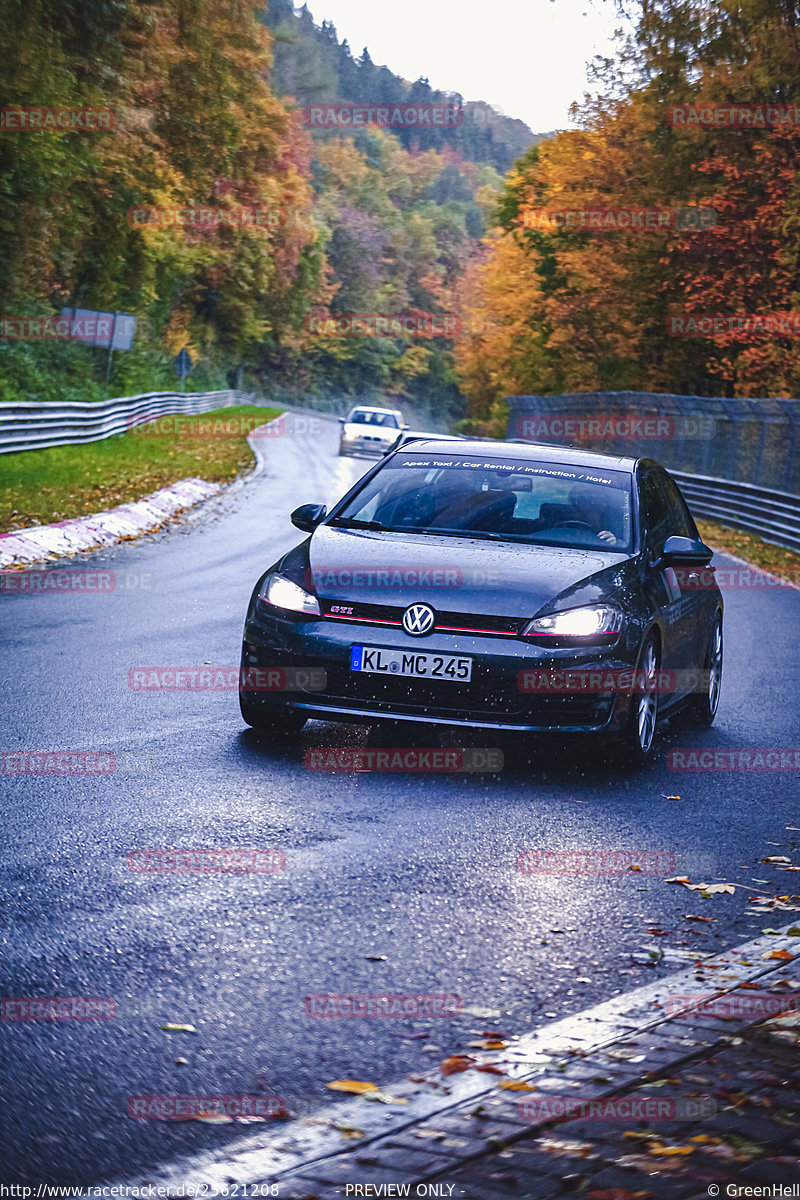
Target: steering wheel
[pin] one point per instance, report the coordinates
(578, 525)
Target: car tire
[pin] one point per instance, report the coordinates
(702, 709)
(271, 721)
(640, 730)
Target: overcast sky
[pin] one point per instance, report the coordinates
(527, 57)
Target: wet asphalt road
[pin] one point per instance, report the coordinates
(420, 869)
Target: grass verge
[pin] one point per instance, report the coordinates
(751, 548)
(38, 487)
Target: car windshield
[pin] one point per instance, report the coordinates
(366, 416)
(538, 503)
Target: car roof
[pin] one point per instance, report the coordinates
(372, 408)
(540, 452)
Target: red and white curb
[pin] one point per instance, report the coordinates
(44, 543)
(301, 1144)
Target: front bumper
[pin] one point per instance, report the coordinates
(496, 696)
(366, 445)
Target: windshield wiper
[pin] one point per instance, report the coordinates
(481, 534)
(353, 523)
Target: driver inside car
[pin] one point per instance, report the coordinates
(589, 508)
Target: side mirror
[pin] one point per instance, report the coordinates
(342, 420)
(684, 552)
(308, 516)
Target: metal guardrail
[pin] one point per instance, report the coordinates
(25, 425)
(774, 516)
(30, 425)
(736, 460)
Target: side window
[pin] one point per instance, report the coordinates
(657, 513)
(682, 523)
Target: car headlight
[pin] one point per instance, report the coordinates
(279, 592)
(593, 625)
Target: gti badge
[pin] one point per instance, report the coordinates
(418, 619)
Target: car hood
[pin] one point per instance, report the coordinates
(455, 574)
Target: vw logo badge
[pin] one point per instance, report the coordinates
(418, 619)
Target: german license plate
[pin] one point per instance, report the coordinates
(414, 664)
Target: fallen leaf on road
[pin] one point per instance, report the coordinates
(375, 957)
(384, 1098)
(488, 1069)
(678, 879)
(517, 1085)
(690, 917)
(213, 1118)
(170, 1028)
(566, 1146)
(457, 1063)
(776, 858)
(782, 954)
(354, 1086)
(794, 931)
(712, 889)
(350, 1131)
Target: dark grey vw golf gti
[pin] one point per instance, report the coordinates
(525, 588)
